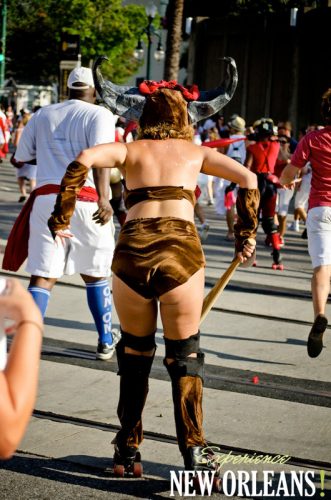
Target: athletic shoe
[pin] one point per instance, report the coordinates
(295, 226)
(105, 351)
(22, 199)
(315, 338)
(203, 233)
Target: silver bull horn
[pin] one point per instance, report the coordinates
(212, 101)
(128, 102)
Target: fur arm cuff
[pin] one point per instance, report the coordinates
(248, 201)
(72, 182)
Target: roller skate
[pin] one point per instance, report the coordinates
(203, 458)
(277, 263)
(127, 461)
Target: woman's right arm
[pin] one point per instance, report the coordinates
(100, 156)
(19, 379)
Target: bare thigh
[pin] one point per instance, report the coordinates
(136, 314)
(181, 308)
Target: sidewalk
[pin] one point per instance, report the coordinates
(258, 327)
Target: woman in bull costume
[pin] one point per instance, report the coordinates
(158, 257)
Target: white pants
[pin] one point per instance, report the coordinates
(319, 235)
(89, 252)
(284, 198)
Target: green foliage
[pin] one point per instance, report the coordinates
(105, 27)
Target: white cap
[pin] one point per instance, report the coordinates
(80, 75)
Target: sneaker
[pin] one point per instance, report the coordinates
(203, 233)
(295, 226)
(105, 351)
(315, 338)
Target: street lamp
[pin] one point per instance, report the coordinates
(151, 32)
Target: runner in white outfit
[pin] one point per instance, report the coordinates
(54, 137)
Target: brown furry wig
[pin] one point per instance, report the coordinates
(165, 117)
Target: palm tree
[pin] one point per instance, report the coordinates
(174, 38)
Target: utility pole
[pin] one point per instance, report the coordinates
(3, 41)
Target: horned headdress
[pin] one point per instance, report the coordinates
(129, 101)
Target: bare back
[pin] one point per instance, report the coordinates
(171, 162)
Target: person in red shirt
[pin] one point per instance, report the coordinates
(315, 147)
(261, 159)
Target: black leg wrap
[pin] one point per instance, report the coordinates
(134, 371)
(180, 349)
(192, 367)
(186, 375)
(138, 343)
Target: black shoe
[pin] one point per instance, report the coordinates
(315, 338)
(304, 235)
(22, 199)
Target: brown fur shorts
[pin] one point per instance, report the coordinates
(153, 256)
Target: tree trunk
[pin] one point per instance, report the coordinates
(174, 38)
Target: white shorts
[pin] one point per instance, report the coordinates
(284, 198)
(28, 171)
(89, 252)
(319, 235)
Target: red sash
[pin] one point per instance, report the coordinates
(17, 245)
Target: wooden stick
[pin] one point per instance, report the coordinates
(218, 288)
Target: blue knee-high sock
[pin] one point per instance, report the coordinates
(41, 297)
(99, 300)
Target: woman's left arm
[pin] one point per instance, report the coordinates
(220, 165)
(248, 199)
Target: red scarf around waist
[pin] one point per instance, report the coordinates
(17, 245)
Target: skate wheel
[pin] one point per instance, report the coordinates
(137, 469)
(119, 470)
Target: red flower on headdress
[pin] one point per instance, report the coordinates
(191, 93)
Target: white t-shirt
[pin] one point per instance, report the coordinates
(57, 133)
